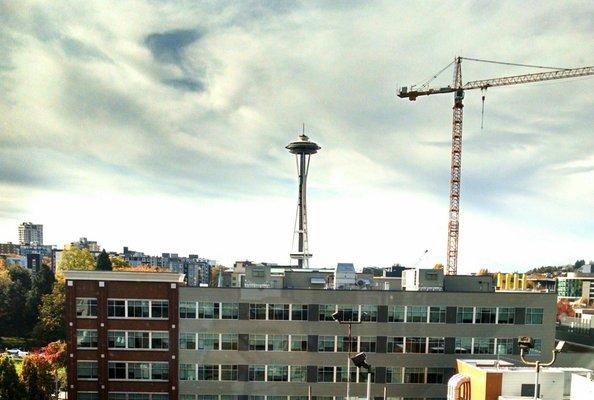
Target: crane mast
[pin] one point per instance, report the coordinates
(458, 89)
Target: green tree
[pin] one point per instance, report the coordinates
(77, 259)
(11, 387)
(52, 323)
(42, 284)
(37, 377)
(103, 262)
(579, 264)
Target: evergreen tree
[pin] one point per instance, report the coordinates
(103, 262)
(52, 324)
(10, 386)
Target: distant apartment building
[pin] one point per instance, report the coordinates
(575, 285)
(84, 243)
(144, 334)
(30, 233)
(9, 248)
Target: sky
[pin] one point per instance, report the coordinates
(161, 126)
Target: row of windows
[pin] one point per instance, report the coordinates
(368, 344)
(277, 397)
(394, 375)
(467, 345)
(208, 310)
(159, 309)
(122, 370)
(155, 340)
(123, 396)
(87, 307)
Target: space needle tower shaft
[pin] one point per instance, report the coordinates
(303, 149)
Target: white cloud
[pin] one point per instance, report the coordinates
(113, 126)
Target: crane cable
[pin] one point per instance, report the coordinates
(509, 63)
(429, 80)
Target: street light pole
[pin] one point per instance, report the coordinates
(338, 316)
(537, 364)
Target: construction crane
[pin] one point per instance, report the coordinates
(458, 88)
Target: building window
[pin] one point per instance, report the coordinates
(257, 342)
(116, 308)
(229, 341)
(298, 342)
(139, 371)
(394, 375)
(257, 373)
(484, 346)
(208, 341)
(208, 373)
(437, 375)
(505, 346)
(396, 313)
(367, 344)
(278, 373)
(414, 375)
(326, 311)
(534, 316)
(278, 343)
(86, 339)
(436, 345)
(159, 340)
(325, 374)
(464, 315)
(416, 314)
(257, 311)
(208, 310)
(348, 313)
(326, 343)
(228, 372)
(437, 315)
(537, 349)
(395, 344)
(116, 370)
(278, 312)
(299, 312)
(160, 371)
(86, 308)
(298, 373)
(343, 343)
(485, 315)
(415, 345)
(87, 369)
(187, 309)
(369, 313)
(187, 372)
(138, 340)
(159, 309)
(187, 341)
(87, 396)
(138, 309)
(463, 345)
(342, 375)
(229, 311)
(116, 339)
(506, 315)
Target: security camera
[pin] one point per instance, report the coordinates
(360, 361)
(525, 342)
(338, 316)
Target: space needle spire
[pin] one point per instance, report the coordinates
(303, 149)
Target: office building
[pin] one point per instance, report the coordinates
(30, 233)
(9, 248)
(147, 333)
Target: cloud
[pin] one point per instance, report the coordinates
(197, 101)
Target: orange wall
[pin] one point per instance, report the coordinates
(483, 385)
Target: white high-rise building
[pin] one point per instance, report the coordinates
(30, 233)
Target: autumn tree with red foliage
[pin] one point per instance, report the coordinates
(564, 308)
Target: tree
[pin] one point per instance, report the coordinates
(579, 264)
(43, 282)
(103, 262)
(118, 262)
(37, 377)
(76, 259)
(52, 322)
(10, 386)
